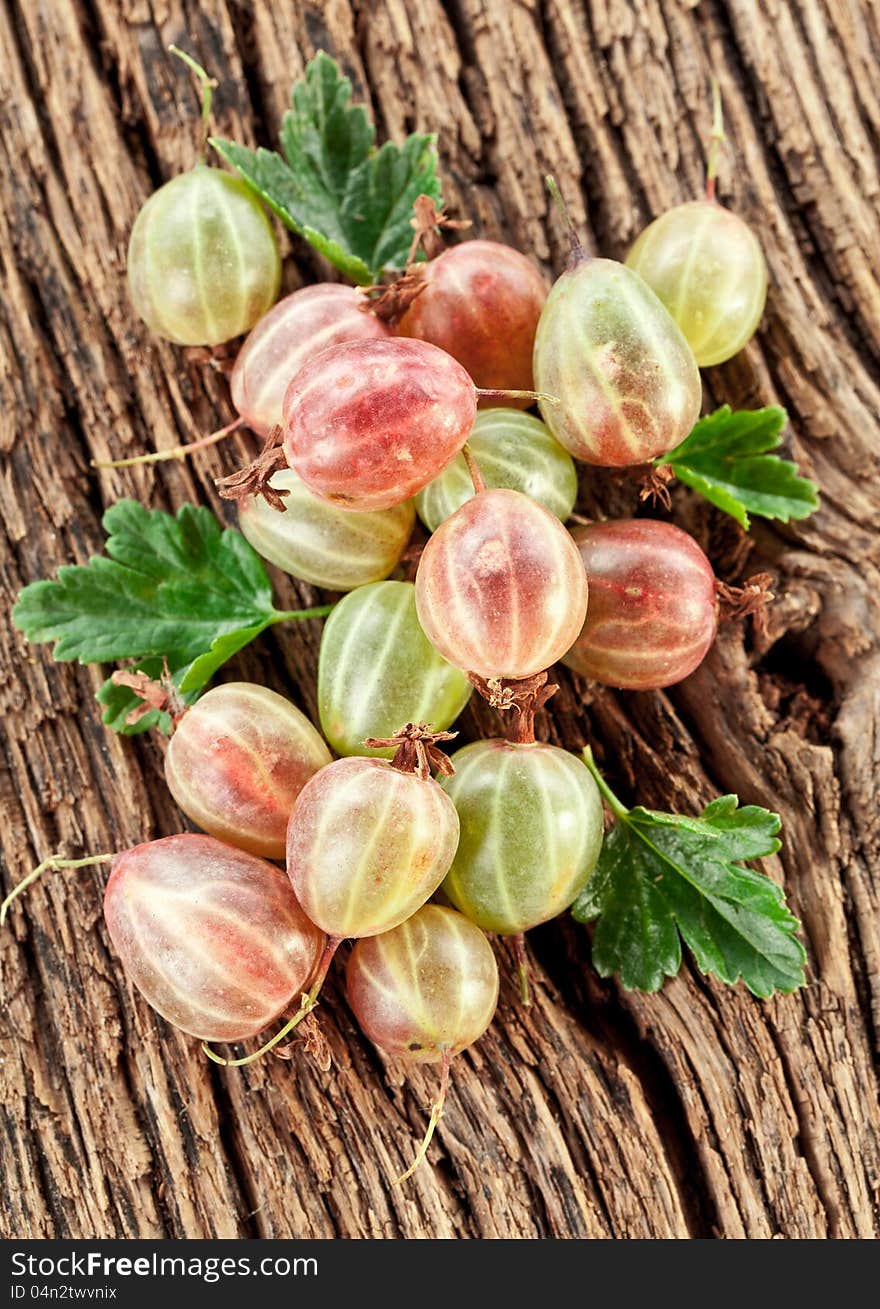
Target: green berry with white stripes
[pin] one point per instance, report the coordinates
(512, 450)
(707, 267)
(378, 671)
(203, 262)
(619, 382)
(531, 831)
(322, 544)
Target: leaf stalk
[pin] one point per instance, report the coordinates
(617, 808)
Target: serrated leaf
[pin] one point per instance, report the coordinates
(662, 879)
(198, 673)
(725, 432)
(636, 935)
(725, 457)
(179, 586)
(353, 203)
(268, 175)
(171, 584)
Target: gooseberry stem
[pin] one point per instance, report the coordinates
(209, 86)
(308, 1004)
(619, 810)
(299, 615)
(499, 393)
(53, 864)
(474, 469)
(716, 141)
(436, 1115)
(577, 250)
(177, 452)
(522, 968)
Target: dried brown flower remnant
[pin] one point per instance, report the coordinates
(527, 696)
(416, 750)
(255, 479)
(158, 694)
(390, 303)
(655, 486)
(751, 598)
(428, 223)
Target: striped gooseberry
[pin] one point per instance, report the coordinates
(531, 830)
(321, 544)
(480, 302)
(212, 937)
(368, 842)
(203, 262)
(500, 588)
(423, 992)
(287, 337)
(236, 762)
(513, 450)
(707, 267)
(624, 381)
(369, 423)
(377, 669)
(653, 609)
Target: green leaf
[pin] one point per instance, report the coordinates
(198, 673)
(663, 878)
(178, 586)
(170, 584)
(726, 459)
(353, 203)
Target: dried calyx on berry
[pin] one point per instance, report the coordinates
(525, 696)
(415, 749)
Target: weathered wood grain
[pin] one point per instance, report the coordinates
(697, 1112)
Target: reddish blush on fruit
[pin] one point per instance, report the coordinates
(500, 589)
(287, 337)
(212, 937)
(369, 423)
(237, 761)
(481, 303)
(653, 611)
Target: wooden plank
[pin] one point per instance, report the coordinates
(697, 1112)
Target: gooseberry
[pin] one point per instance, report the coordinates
(513, 450)
(531, 831)
(707, 267)
(300, 326)
(369, 423)
(368, 842)
(212, 937)
(377, 669)
(236, 762)
(653, 611)
(203, 262)
(423, 992)
(481, 303)
(625, 383)
(321, 544)
(500, 588)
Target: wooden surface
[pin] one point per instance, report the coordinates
(697, 1112)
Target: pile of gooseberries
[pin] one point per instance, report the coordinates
(367, 424)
